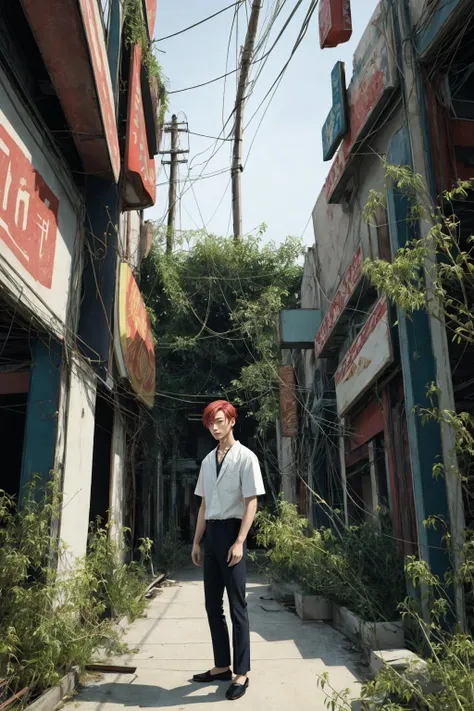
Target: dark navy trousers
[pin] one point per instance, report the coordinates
(220, 536)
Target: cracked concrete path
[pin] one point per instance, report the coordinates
(172, 643)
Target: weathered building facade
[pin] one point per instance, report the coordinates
(365, 377)
(79, 130)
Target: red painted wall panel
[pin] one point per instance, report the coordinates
(140, 173)
(335, 22)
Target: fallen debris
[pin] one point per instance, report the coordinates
(154, 583)
(110, 669)
(13, 698)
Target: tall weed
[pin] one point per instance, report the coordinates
(50, 622)
(359, 568)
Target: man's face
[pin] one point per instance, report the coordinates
(221, 427)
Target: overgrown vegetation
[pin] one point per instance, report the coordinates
(360, 567)
(443, 680)
(214, 305)
(135, 32)
(50, 621)
(173, 553)
(436, 274)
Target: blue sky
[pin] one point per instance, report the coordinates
(284, 170)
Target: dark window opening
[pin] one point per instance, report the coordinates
(102, 459)
(12, 427)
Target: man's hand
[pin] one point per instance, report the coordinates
(196, 554)
(236, 553)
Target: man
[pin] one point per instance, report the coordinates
(229, 483)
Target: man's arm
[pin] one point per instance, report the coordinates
(199, 533)
(237, 551)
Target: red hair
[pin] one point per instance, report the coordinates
(209, 414)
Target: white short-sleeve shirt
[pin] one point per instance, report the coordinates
(240, 477)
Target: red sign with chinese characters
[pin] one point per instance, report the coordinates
(379, 313)
(100, 65)
(140, 178)
(136, 338)
(335, 22)
(28, 212)
(288, 411)
(373, 82)
(348, 284)
(369, 355)
(368, 94)
(151, 16)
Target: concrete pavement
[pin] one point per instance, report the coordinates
(172, 643)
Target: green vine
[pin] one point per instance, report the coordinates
(136, 33)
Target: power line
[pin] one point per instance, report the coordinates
(256, 61)
(212, 81)
(274, 87)
(201, 22)
(214, 138)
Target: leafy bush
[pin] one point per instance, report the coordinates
(370, 569)
(283, 535)
(50, 622)
(444, 681)
(173, 554)
(120, 585)
(361, 568)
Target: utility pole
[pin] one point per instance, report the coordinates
(237, 167)
(174, 129)
(439, 338)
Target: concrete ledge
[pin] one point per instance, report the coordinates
(407, 664)
(312, 607)
(398, 659)
(371, 635)
(285, 592)
(53, 697)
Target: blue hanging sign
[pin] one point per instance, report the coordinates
(337, 124)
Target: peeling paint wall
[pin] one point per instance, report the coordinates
(77, 476)
(339, 229)
(117, 492)
(130, 238)
(310, 299)
(41, 217)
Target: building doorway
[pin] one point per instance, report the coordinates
(102, 458)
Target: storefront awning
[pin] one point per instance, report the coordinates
(298, 328)
(70, 37)
(135, 353)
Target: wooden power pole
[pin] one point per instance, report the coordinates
(237, 168)
(174, 129)
(172, 189)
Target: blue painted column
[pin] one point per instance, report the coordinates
(99, 276)
(419, 371)
(101, 248)
(114, 42)
(41, 428)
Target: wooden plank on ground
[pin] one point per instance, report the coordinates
(110, 669)
(13, 698)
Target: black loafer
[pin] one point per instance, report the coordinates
(207, 677)
(236, 691)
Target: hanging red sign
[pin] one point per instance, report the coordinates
(335, 22)
(151, 16)
(28, 212)
(350, 280)
(288, 411)
(136, 338)
(140, 173)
